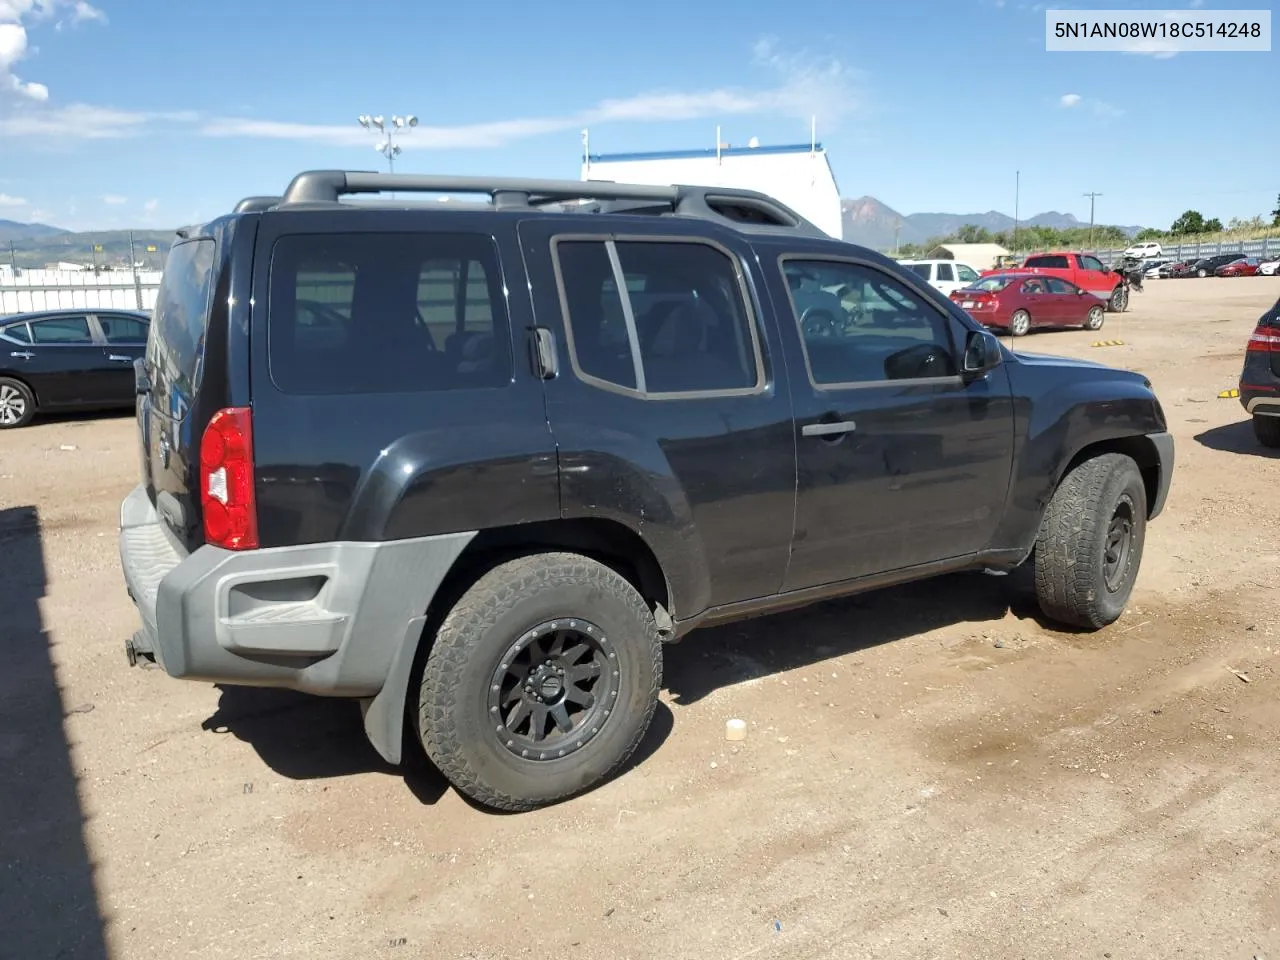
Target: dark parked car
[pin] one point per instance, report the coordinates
(1182, 268)
(1260, 378)
(68, 359)
(473, 465)
(1021, 302)
(1206, 266)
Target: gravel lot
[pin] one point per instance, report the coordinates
(928, 773)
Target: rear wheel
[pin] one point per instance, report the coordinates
(541, 682)
(1019, 323)
(1267, 430)
(1089, 548)
(1097, 316)
(17, 404)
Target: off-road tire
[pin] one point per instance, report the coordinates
(1118, 302)
(21, 392)
(1267, 430)
(1071, 583)
(454, 721)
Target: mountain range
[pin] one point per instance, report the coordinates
(866, 221)
(870, 223)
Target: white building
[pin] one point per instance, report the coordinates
(798, 175)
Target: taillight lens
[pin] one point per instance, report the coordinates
(226, 480)
(1264, 340)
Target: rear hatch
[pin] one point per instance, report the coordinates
(169, 381)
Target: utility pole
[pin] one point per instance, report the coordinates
(897, 225)
(1017, 191)
(1092, 197)
(133, 266)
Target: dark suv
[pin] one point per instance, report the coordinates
(1260, 378)
(473, 464)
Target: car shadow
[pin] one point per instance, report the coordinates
(48, 901)
(722, 656)
(304, 737)
(1236, 438)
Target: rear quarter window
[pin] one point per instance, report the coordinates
(386, 313)
(181, 314)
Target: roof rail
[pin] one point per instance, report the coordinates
(256, 204)
(743, 209)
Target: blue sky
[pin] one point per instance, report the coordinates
(130, 113)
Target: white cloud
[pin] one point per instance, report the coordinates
(15, 15)
(1070, 100)
(150, 206)
(1103, 109)
(805, 86)
(114, 199)
(82, 121)
(8, 201)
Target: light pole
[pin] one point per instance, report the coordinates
(1092, 197)
(386, 144)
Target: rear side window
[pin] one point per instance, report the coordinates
(658, 318)
(118, 329)
(1047, 262)
(945, 274)
(921, 270)
(182, 311)
(386, 313)
(17, 332)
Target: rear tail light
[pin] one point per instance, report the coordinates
(1264, 340)
(226, 480)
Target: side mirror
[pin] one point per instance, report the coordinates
(1081, 293)
(982, 353)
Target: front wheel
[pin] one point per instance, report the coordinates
(1019, 323)
(1119, 299)
(1090, 543)
(1202, 272)
(1267, 430)
(1097, 316)
(542, 680)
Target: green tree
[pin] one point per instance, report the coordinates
(1213, 226)
(1275, 214)
(1189, 222)
(1149, 233)
(971, 233)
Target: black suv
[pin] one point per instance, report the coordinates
(1260, 378)
(473, 464)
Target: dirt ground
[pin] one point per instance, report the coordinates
(928, 773)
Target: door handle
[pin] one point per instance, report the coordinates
(120, 359)
(24, 354)
(828, 429)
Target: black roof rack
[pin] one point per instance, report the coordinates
(743, 209)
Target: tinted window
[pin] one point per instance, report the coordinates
(922, 270)
(692, 328)
(386, 313)
(966, 274)
(17, 332)
(181, 313)
(118, 329)
(1034, 287)
(1060, 286)
(945, 273)
(61, 330)
(859, 324)
(1092, 263)
(1047, 262)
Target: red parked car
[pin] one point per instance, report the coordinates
(1244, 267)
(1017, 302)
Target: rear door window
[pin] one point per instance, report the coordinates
(945, 274)
(120, 329)
(17, 332)
(386, 313)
